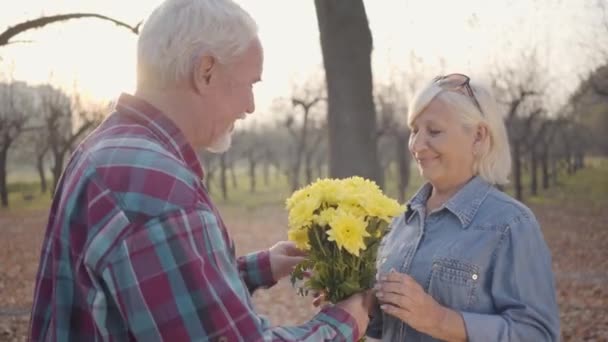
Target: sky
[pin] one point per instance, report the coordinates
(468, 36)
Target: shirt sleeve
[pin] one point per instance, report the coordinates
(523, 290)
(174, 279)
(254, 269)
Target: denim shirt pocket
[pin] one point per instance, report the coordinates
(453, 283)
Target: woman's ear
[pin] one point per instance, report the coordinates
(481, 134)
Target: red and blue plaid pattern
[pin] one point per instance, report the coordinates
(135, 250)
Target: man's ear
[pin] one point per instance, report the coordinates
(204, 71)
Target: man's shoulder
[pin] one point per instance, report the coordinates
(140, 169)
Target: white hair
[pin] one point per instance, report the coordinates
(179, 32)
(493, 160)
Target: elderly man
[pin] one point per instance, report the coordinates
(134, 247)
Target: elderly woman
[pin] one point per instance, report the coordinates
(465, 261)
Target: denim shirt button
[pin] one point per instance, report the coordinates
(474, 277)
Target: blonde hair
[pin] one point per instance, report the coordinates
(493, 162)
(179, 32)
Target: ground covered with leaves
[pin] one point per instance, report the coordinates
(574, 221)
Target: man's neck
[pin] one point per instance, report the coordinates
(177, 105)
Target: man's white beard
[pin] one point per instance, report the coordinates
(222, 144)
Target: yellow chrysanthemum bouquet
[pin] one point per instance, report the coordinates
(340, 222)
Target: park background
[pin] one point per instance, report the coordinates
(63, 63)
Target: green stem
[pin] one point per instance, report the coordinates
(319, 242)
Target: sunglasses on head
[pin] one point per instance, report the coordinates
(457, 82)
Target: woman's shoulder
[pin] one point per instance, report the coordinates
(505, 210)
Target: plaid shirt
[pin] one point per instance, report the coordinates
(135, 250)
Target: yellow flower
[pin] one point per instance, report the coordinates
(348, 232)
(325, 216)
(300, 237)
(382, 207)
(301, 213)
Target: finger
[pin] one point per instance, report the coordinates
(411, 282)
(401, 278)
(291, 260)
(393, 287)
(319, 300)
(394, 299)
(394, 276)
(292, 250)
(319, 293)
(400, 313)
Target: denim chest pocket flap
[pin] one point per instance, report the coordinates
(453, 282)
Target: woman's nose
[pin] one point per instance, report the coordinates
(417, 143)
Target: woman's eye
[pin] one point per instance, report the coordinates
(434, 131)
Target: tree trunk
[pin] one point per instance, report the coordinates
(235, 182)
(554, 169)
(266, 172)
(57, 170)
(319, 165)
(294, 174)
(403, 159)
(223, 182)
(545, 167)
(517, 171)
(208, 179)
(569, 164)
(346, 44)
(579, 161)
(533, 172)
(3, 183)
(41, 173)
(252, 165)
(308, 167)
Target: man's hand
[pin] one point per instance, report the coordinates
(284, 256)
(359, 306)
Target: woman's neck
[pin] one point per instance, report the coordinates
(441, 194)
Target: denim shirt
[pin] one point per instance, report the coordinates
(481, 254)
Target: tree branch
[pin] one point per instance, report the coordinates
(43, 21)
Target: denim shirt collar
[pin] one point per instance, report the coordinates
(464, 204)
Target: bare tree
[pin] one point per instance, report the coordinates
(598, 51)
(300, 134)
(346, 44)
(223, 175)
(13, 119)
(210, 163)
(392, 102)
(392, 110)
(314, 152)
(248, 145)
(589, 107)
(65, 121)
(520, 89)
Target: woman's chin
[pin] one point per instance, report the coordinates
(427, 173)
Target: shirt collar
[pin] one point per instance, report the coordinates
(162, 126)
(464, 204)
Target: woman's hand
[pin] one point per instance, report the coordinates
(401, 296)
